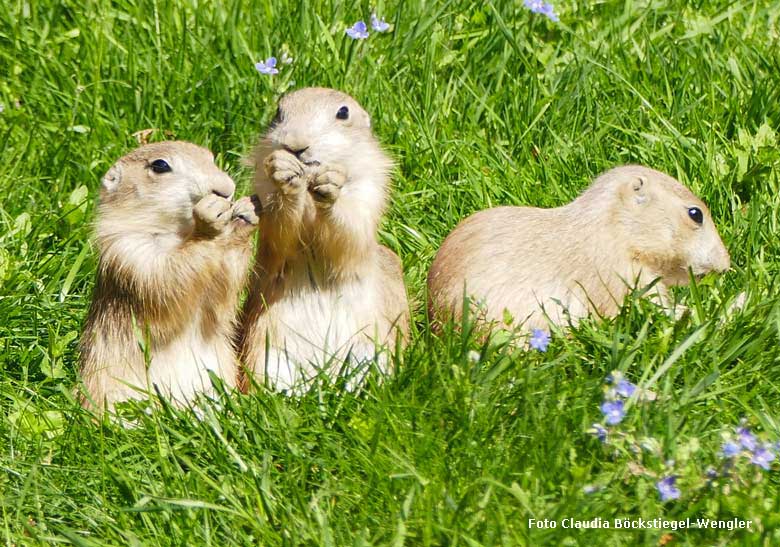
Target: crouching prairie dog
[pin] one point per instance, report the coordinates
(323, 291)
(173, 256)
(633, 225)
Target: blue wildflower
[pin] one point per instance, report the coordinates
(712, 473)
(763, 456)
(613, 412)
(549, 11)
(543, 8)
(358, 31)
(379, 25)
(267, 67)
(746, 438)
(624, 388)
(535, 6)
(729, 449)
(599, 431)
(540, 339)
(666, 488)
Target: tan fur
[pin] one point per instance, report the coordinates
(631, 225)
(173, 258)
(322, 287)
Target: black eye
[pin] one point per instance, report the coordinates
(160, 166)
(343, 113)
(696, 215)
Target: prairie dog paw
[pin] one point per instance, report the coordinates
(326, 182)
(245, 213)
(211, 215)
(285, 171)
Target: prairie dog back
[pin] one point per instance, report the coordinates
(633, 224)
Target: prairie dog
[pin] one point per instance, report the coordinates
(322, 288)
(633, 224)
(174, 252)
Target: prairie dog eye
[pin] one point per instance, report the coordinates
(343, 113)
(696, 215)
(160, 166)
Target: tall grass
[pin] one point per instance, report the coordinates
(480, 104)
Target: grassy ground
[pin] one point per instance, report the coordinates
(481, 105)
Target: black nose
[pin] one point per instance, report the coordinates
(221, 194)
(296, 151)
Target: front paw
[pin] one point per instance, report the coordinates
(211, 215)
(244, 215)
(326, 182)
(285, 171)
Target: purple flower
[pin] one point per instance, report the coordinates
(358, 31)
(540, 339)
(763, 456)
(666, 488)
(746, 438)
(379, 25)
(613, 412)
(729, 449)
(543, 8)
(549, 11)
(599, 431)
(711, 473)
(624, 388)
(267, 67)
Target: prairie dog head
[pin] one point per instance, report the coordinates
(319, 126)
(158, 184)
(668, 228)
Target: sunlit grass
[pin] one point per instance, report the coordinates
(480, 104)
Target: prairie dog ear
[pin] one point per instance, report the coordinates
(111, 180)
(635, 190)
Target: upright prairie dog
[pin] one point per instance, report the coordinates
(174, 252)
(633, 224)
(322, 288)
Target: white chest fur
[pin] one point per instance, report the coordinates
(178, 369)
(315, 329)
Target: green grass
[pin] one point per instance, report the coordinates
(480, 105)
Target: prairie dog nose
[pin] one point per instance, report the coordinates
(223, 186)
(296, 151)
(725, 261)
